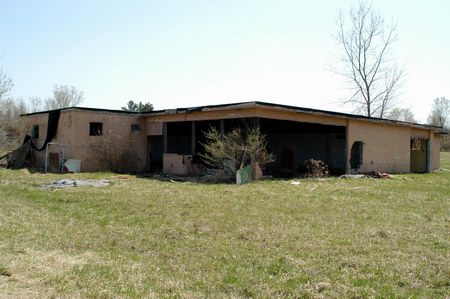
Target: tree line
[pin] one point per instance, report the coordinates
(63, 96)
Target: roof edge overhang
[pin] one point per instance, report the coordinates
(84, 109)
(280, 107)
(255, 104)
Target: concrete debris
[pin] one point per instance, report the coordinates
(354, 176)
(67, 183)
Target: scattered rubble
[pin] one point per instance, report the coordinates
(68, 183)
(354, 176)
(373, 175)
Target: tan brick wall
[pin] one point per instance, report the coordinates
(435, 151)
(73, 133)
(386, 147)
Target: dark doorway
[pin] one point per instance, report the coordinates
(419, 155)
(356, 155)
(287, 158)
(155, 152)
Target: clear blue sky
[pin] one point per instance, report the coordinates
(188, 53)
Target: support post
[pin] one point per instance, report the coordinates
(256, 122)
(193, 138)
(164, 138)
(222, 127)
(347, 147)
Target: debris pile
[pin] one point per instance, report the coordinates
(372, 175)
(17, 158)
(316, 168)
(68, 183)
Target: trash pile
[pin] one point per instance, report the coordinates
(316, 168)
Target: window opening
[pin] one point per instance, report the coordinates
(135, 128)
(95, 129)
(35, 131)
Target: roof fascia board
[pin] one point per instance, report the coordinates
(247, 105)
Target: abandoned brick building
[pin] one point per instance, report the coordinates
(169, 140)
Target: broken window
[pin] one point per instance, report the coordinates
(35, 131)
(356, 155)
(416, 144)
(135, 128)
(95, 129)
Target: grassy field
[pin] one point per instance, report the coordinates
(142, 237)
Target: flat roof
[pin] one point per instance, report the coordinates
(246, 105)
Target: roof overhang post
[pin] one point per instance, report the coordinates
(222, 127)
(164, 138)
(192, 137)
(347, 147)
(256, 123)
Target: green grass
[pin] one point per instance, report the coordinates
(142, 237)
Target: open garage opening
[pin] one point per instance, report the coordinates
(294, 142)
(291, 142)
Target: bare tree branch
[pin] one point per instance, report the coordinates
(373, 79)
(440, 112)
(64, 96)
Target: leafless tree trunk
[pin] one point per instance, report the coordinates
(35, 104)
(374, 80)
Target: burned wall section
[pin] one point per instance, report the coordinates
(74, 133)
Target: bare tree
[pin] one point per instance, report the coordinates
(64, 96)
(440, 112)
(6, 84)
(8, 112)
(374, 79)
(35, 104)
(402, 114)
(10, 128)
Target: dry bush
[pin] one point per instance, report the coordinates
(10, 127)
(111, 150)
(316, 168)
(236, 149)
